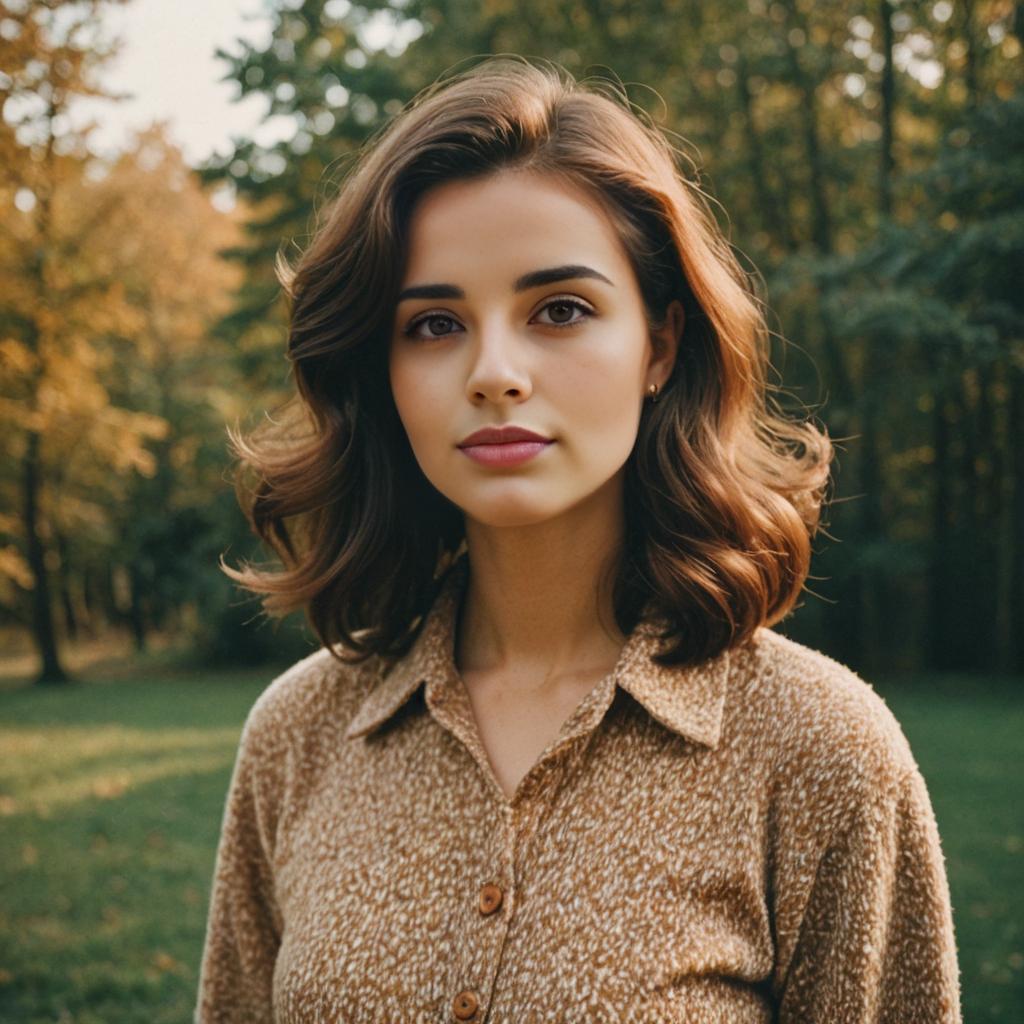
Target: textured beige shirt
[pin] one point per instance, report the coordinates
(749, 840)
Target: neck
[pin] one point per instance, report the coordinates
(537, 605)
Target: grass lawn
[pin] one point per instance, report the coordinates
(111, 794)
(968, 737)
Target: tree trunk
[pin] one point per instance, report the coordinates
(872, 528)
(776, 214)
(1014, 555)
(972, 56)
(88, 606)
(32, 466)
(108, 593)
(937, 642)
(821, 226)
(887, 111)
(845, 620)
(1000, 498)
(136, 613)
(973, 625)
(42, 618)
(986, 479)
(64, 587)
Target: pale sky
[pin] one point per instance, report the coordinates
(167, 61)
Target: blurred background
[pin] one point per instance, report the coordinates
(866, 161)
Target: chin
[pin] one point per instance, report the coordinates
(509, 512)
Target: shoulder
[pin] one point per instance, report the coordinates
(829, 733)
(317, 692)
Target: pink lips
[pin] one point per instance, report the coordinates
(504, 446)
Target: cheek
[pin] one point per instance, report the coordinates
(600, 400)
(408, 388)
(604, 384)
(418, 398)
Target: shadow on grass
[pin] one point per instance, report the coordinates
(107, 896)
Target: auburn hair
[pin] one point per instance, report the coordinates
(723, 490)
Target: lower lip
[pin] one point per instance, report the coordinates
(514, 453)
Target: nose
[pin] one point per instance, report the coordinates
(498, 371)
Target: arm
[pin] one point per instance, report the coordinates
(243, 929)
(876, 942)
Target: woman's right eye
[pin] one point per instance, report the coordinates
(439, 326)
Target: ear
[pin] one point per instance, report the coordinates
(665, 344)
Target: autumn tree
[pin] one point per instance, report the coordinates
(50, 53)
(163, 241)
(109, 277)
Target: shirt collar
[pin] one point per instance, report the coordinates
(689, 700)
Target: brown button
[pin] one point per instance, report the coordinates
(464, 1005)
(490, 898)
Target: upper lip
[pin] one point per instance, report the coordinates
(501, 435)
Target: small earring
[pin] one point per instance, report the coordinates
(653, 392)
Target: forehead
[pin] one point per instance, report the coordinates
(513, 221)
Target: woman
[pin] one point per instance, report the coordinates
(551, 763)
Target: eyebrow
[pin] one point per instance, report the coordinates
(534, 279)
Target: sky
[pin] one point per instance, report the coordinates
(167, 62)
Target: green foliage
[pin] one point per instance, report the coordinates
(871, 175)
(932, 311)
(865, 158)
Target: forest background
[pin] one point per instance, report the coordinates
(867, 159)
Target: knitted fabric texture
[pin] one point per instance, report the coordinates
(747, 840)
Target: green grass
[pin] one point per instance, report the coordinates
(111, 794)
(110, 804)
(968, 737)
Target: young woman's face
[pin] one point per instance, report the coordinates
(523, 310)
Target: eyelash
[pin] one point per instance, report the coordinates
(558, 300)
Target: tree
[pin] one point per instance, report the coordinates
(822, 124)
(51, 53)
(111, 395)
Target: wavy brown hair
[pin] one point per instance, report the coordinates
(722, 490)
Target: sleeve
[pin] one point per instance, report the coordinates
(876, 942)
(243, 930)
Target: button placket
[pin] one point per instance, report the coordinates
(489, 907)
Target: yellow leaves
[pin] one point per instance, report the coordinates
(105, 288)
(68, 393)
(184, 453)
(148, 425)
(229, 405)
(117, 437)
(14, 567)
(16, 356)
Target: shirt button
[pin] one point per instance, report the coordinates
(490, 898)
(464, 1005)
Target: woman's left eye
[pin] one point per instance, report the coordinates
(564, 307)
